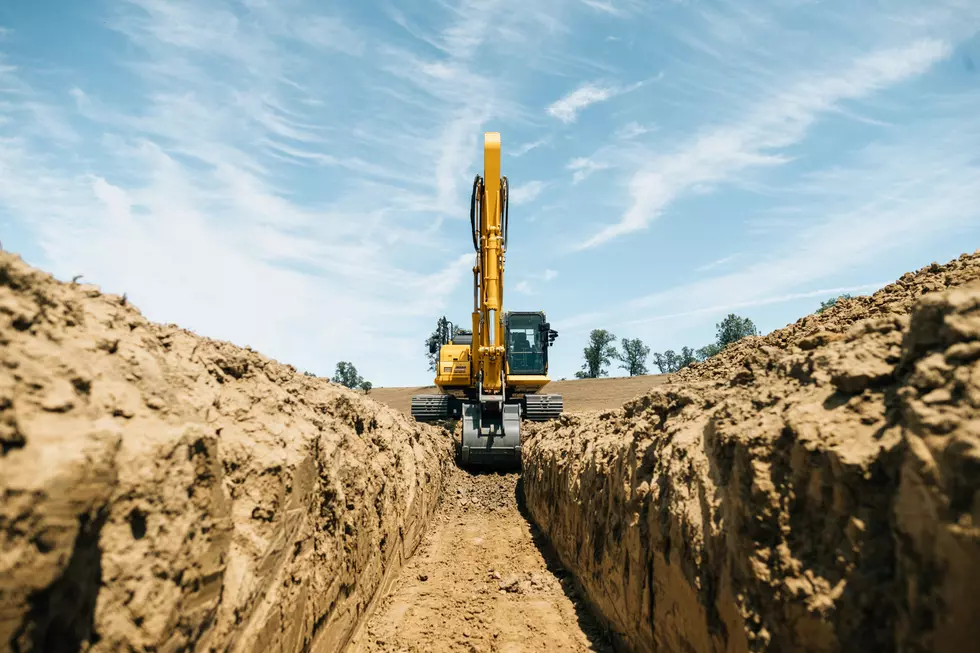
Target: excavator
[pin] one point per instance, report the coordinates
(491, 376)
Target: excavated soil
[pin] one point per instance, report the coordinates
(165, 492)
(483, 581)
(815, 489)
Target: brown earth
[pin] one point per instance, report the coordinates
(579, 395)
(166, 492)
(816, 489)
(483, 581)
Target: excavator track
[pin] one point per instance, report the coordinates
(541, 408)
(431, 408)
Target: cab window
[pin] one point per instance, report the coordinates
(525, 346)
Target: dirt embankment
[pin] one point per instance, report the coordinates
(816, 489)
(161, 491)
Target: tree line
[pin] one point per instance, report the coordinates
(600, 352)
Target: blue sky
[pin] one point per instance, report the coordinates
(295, 175)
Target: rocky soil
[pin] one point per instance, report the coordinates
(816, 489)
(162, 491)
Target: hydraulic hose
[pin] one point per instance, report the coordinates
(505, 201)
(473, 213)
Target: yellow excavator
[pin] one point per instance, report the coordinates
(490, 377)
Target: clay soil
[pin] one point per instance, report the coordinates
(483, 580)
(580, 395)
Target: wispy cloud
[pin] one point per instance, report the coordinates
(523, 287)
(567, 108)
(632, 130)
(725, 307)
(527, 192)
(527, 147)
(618, 8)
(582, 167)
(716, 263)
(760, 137)
(602, 5)
(550, 274)
(884, 200)
(617, 320)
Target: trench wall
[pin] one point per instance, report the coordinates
(816, 489)
(163, 491)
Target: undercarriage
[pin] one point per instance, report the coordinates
(491, 429)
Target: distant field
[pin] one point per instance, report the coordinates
(579, 394)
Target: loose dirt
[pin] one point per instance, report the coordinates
(580, 395)
(483, 580)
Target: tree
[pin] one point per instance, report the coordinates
(634, 356)
(670, 361)
(366, 386)
(347, 376)
(666, 362)
(436, 338)
(599, 353)
(686, 358)
(706, 352)
(830, 302)
(733, 328)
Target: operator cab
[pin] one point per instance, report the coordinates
(528, 336)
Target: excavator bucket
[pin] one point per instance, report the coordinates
(491, 435)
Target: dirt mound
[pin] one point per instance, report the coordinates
(162, 491)
(816, 489)
(895, 299)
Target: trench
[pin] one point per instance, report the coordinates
(483, 579)
(815, 489)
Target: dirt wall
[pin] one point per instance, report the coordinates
(816, 489)
(162, 491)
